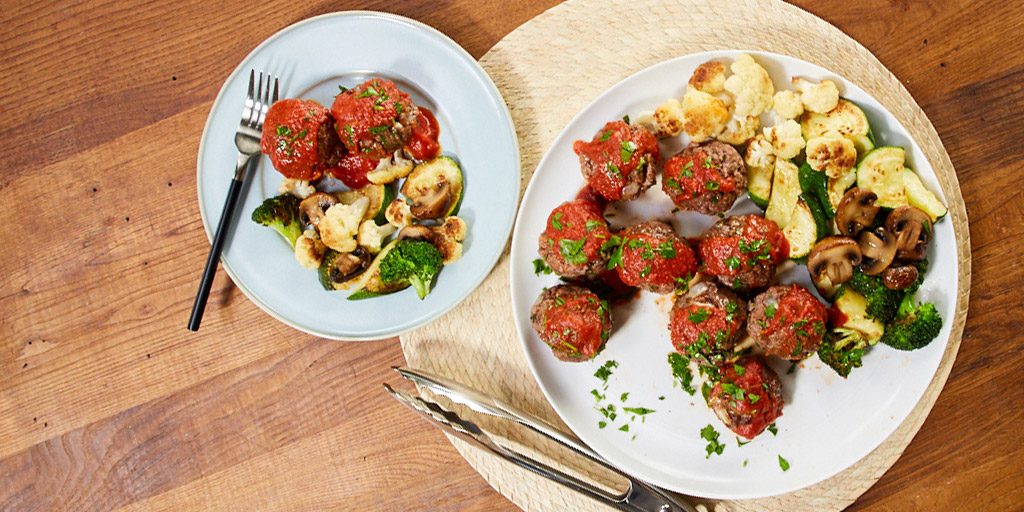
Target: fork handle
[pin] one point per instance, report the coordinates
(226, 218)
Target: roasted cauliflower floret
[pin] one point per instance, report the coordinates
(739, 130)
(398, 213)
(760, 152)
(831, 153)
(751, 87)
(787, 105)
(709, 77)
(371, 236)
(668, 119)
(818, 97)
(340, 225)
(298, 188)
(785, 138)
(392, 168)
(309, 252)
(704, 116)
(447, 237)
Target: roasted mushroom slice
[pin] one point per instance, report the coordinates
(831, 263)
(313, 208)
(434, 188)
(856, 211)
(434, 202)
(912, 229)
(337, 270)
(878, 249)
(899, 277)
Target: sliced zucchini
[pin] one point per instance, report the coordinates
(847, 119)
(854, 306)
(380, 197)
(370, 282)
(759, 185)
(801, 231)
(435, 188)
(785, 192)
(920, 197)
(839, 185)
(342, 271)
(881, 171)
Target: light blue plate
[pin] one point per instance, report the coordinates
(312, 58)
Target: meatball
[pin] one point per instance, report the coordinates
(573, 321)
(708, 324)
(748, 397)
(298, 138)
(618, 163)
(705, 177)
(651, 256)
(374, 119)
(787, 321)
(572, 241)
(743, 251)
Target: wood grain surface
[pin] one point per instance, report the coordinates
(107, 402)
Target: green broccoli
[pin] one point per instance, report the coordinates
(414, 262)
(915, 325)
(282, 214)
(842, 349)
(882, 302)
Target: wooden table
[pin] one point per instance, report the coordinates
(107, 402)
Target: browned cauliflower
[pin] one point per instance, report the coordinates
(704, 115)
(340, 225)
(831, 153)
(760, 152)
(371, 236)
(818, 97)
(739, 130)
(709, 77)
(787, 105)
(785, 138)
(751, 87)
(309, 251)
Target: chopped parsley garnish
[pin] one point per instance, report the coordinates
(699, 315)
(605, 371)
(342, 88)
(732, 262)
(673, 184)
(711, 185)
(730, 310)
(783, 463)
(627, 148)
(773, 429)
(624, 396)
(639, 411)
(688, 169)
(733, 390)
(593, 224)
(769, 311)
(646, 271)
(740, 370)
(681, 371)
(710, 435)
(614, 170)
(572, 250)
(606, 135)
(369, 91)
(741, 443)
(667, 250)
(708, 164)
(753, 397)
(283, 131)
(624, 427)
(625, 119)
(540, 267)
(705, 390)
(597, 396)
(559, 301)
(556, 221)
(602, 424)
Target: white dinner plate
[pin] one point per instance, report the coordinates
(313, 58)
(828, 423)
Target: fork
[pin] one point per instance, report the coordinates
(247, 140)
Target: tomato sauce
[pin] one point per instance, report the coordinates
(800, 313)
(761, 241)
(587, 193)
(617, 152)
(577, 230)
(578, 326)
(702, 329)
(691, 175)
(423, 143)
(655, 261)
(352, 170)
(367, 118)
(290, 137)
(759, 406)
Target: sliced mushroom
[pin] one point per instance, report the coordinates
(878, 249)
(831, 262)
(345, 266)
(433, 203)
(313, 208)
(856, 211)
(416, 232)
(899, 277)
(913, 231)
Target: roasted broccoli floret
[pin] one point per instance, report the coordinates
(842, 349)
(882, 302)
(282, 214)
(915, 325)
(414, 262)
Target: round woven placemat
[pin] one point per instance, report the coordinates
(549, 69)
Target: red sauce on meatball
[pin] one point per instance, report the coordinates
(576, 231)
(423, 143)
(352, 170)
(587, 193)
(690, 175)
(617, 152)
(374, 118)
(748, 398)
(799, 313)
(656, 261)
(701, 328)
(290, 137)
(729, 255)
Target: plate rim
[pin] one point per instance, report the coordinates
(493, 91)
(523, 342)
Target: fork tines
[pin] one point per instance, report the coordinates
(256, 105)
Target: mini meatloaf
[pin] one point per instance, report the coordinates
(573, 321)
(619, 162)
(708, 324)
(743, 251)
(787, 321)
(299, 139)
(705, 177)
(573, 241)
(374, 119)
(748, 398)
(653, 257)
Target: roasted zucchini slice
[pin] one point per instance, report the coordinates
(847, 119)
(434, 188)
(881, 171)
(801, 231)
(854, 306)
(380, 197)
(785, 192)
(759, 185)
(920, 197)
